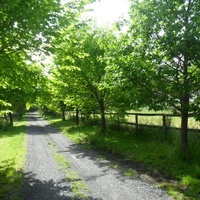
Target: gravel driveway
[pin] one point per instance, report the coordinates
(45, 180)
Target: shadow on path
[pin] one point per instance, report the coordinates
(42, 180)
(35, 189)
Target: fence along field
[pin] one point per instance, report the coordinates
(151, 120)
(161, 120)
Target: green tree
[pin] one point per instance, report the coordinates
(20, 85)
(27, 24)
(81, 67)
(52, 92)
(165, 37)
(125, 78)
(24, 27)
(27, 27)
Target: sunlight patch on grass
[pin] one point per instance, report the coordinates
(114, 166)
(12, 159)
(130, 173)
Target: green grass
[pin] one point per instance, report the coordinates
(78, 187)
(157, 120)
(12, 160)
(130, 173)
(148, 147)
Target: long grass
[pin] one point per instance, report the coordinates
(173, 121)
(12, 159)
(147, 146)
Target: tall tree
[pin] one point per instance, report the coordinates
(52, 93)
(81, 66)
(24, 27)
(27, 27)
(20, 85)
(166, 37)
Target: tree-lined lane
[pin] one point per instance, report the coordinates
(45, 181)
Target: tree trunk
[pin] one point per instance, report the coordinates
(184, 132)
(62, 107)
(103, 118)
(185, 99)
(10, 118)
(77, 117)
(184, 121)
(63, 115)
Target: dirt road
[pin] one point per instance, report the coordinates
(45, 178)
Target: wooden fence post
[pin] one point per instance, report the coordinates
(136, 122)
(81, 115)
(165, 126)
(77, 116)
(118, 122)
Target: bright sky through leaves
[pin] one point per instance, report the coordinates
(106, 12)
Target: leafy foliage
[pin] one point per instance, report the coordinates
(166, 42)
(80, 76)
(24, 27)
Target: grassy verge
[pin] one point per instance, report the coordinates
(12, 159)
(147, 147)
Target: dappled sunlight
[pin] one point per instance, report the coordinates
(34, 188)
(10, 179)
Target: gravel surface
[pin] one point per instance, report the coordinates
(44, 180)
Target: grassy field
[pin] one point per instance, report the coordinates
(152, 120)
(12, 159)
(148, 147)
(157, 120)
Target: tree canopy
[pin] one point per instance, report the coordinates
(81, 68)
(166, 38)
(155, 63)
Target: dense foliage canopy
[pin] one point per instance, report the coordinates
(154, 64)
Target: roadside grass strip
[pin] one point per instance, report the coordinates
(78, 187)
(12, 160)
(126, 171)
(130, 173)
(148, 147)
